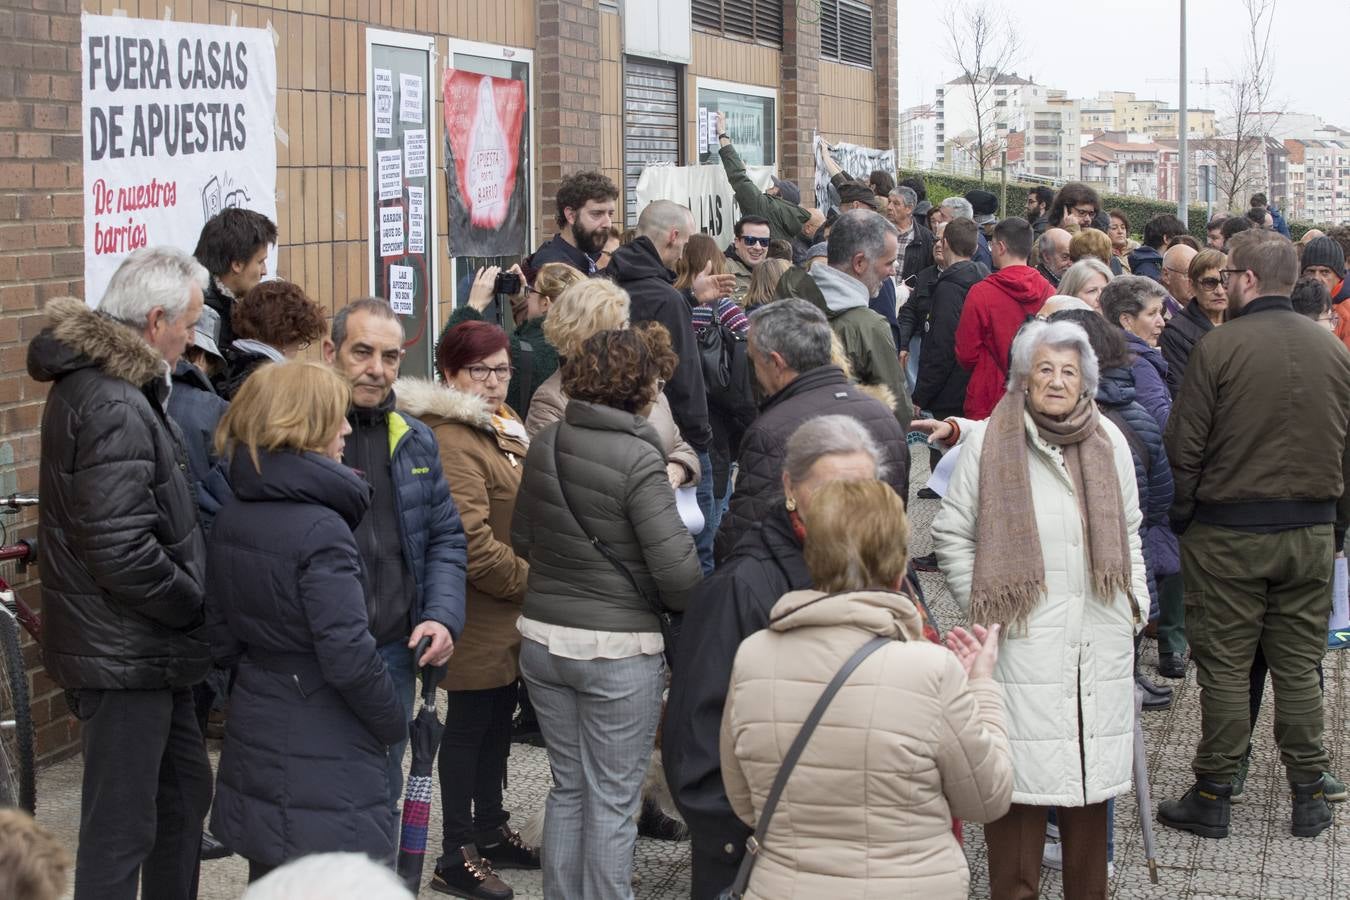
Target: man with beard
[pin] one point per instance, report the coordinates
(586, 202)
(1038, 208)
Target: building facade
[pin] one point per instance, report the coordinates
(607, 90)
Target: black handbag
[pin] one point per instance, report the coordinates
(668, 621)
(756, 840)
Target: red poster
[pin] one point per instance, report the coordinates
(484, 119)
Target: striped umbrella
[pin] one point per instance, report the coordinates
(425, 739)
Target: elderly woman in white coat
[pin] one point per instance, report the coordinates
(1039, 531)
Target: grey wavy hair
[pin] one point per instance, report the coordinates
(827, 436)
(1078, 274)
(330, 876)
(1060, 335)
(150, 278)
(959, 207)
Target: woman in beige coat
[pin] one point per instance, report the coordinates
(914, 737)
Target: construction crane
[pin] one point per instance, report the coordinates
(1205, 82)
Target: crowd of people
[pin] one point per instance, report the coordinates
(651, 507)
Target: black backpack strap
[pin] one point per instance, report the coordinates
(525, 371)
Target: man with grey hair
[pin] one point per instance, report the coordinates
(960, 208)
(122, 600)
(1053, 250)
(790, 349)
(861, 257)
(914, 242)
(644, 269)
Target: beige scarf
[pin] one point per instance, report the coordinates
(1009, 576)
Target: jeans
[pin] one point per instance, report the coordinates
(146, 790)
(472, 765)
(399, 660)
(599, 718)
(703, 541)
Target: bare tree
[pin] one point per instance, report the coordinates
(1240, 148)
(983, 44)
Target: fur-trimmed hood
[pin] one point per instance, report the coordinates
(422, 397)
(77, 337)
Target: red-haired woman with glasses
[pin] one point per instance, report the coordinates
(483, 444)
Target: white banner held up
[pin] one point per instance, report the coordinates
(178, 124)
(704, 189)
(856, 161)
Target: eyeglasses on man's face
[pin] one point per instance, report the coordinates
(1225, 274)
(481, 373)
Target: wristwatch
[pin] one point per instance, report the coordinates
(724, 136)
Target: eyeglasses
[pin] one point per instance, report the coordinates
(1084, 211)
(1332, 318)
(1224, 273)
(481, 373)
(1211, 283)
(753, 241)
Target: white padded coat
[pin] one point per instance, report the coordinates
(1076, 652)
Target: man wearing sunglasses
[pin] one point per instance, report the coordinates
(1261, 462)
(747, 251)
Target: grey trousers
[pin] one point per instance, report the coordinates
(599, 719)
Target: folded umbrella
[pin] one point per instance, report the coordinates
(424, 737)
(1141, 789)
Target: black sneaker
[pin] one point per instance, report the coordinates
(507, 851)
(471, 877)
(927, 563)
(1152, 687)
(655, 824)
(927, 493)
(526, 732)
(1171, 665)
(212, 848)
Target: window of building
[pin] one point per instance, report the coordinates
(846, 32)
(751, 20)
(751, 120)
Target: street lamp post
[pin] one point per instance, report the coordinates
(1182, 126)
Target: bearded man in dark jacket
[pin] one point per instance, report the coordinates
(123, 584)
(941, 385)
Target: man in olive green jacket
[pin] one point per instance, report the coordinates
(778, 204)
(1257, 442)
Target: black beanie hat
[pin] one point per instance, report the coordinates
(1324, 251)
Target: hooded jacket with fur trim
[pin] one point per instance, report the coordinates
(124, 564)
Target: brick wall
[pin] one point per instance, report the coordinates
(567, 97)
(800, 95)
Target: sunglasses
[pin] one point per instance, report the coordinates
(1210, 284)
(754, 241)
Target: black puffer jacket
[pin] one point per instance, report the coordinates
(614, 471)
(637, 268)
(941, 384)
(1179, 338)
(819, 392)
(313, 710)
(733, 604)
(123, 560)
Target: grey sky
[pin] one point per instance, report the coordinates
(1086, 47)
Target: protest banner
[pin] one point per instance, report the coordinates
(178, 124)
(858, 162)
(484, 134)
(705, 190)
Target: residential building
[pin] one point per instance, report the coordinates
(918, 147)
(1122, 163)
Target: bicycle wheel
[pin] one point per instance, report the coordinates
(16, 722)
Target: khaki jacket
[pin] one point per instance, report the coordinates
(906, 744)
(482, 467)
(549, 403)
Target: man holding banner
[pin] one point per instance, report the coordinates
(778, 204)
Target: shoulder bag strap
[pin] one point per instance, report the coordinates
(525, 372)
(752, 843)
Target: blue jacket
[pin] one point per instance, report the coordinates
(1147, 262)
(1278, 221)
(883, 304)
(1116, 398)
(1150, 379)
(982, 252)
(196, 407)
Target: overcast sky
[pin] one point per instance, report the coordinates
(1085, 47)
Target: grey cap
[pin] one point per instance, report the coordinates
(207, 333)
(821, 249)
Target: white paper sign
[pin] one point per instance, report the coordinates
(410, 90)
(391, 174)
(401, 289)
(417, 239)
(713, 142)
(702, 126)
(391, 231)
(703, 189)
(415, 153)
(384, 103)
(177, 124)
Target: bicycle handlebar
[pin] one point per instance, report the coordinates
(15, 502)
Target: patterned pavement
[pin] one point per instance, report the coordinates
(1259, 860)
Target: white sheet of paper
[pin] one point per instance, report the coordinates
(391, 231)
(415, 153)
(703, 126)
(384, 103)
(713, 142)
(390, 167)
(417, 235)
(1340, 601)
(942, 475)
(410, 90)
(686, 502)
(401, 289)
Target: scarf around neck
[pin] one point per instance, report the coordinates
(1009, 574)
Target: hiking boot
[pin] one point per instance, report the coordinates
(1171, 665)
(1335, 789)
(1312, 815)
(507, 851)
(471, 877)
(1240, 779)
(655, 824)
(1203, 810)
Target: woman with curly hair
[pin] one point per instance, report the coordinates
(597, 523)
(272, 323)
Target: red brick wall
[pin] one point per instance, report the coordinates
(567, 97)
(800, 94)
(41, 256)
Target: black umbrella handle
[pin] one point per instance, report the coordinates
(431, 675)
(421, 650)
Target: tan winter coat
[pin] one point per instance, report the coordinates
(549, 402)
(482, 467)
(907, 744)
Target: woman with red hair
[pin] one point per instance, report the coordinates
(482, 444)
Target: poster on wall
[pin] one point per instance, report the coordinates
(484, 134)
(177, 124)
(705, 190)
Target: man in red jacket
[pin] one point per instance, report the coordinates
(995, 309)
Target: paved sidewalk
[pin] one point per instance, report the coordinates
(1259, 860)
